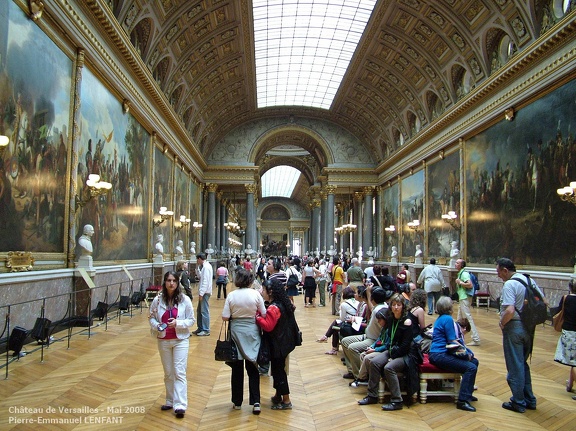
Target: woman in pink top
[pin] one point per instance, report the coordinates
(221, 279)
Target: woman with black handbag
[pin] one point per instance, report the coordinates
(280, 324)
(240, 308)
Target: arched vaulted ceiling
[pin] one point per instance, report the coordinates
(203, 52)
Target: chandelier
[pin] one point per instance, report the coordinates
(347, 228)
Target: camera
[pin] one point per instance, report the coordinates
(162, 326)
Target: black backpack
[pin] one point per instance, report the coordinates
(534, 311)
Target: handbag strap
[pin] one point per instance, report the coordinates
(377, 281)
(224, 325)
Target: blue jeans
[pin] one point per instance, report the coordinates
(517, 343)
(204, 313)
(468, 369)
(433, 298)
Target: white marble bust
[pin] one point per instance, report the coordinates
(418, 251)
(209, 252)
(394, 251)
(193, 247)
(85, 241)
(454, 254)
(249, 250)
(158, 246)
(331, 251)
(179, 249)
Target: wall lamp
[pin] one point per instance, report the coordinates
(4, 141)
(196, 226)
(450, 218)
(568, 193)
(165, 214)
(183, 223)
(95, 188)
(509, 114)
(390, 229)
(414, 225)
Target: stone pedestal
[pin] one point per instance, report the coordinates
(394, 260)
(418, 261)
(86, 263)
(82, 307)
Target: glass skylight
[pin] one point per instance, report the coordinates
(303, 48)
(280, 181)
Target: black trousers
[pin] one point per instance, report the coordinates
(220, 287)
(278, 369)
(237, 382)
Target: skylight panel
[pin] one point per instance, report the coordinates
(280, 181)
(303, 48)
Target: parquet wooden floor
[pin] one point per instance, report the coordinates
(113, 381)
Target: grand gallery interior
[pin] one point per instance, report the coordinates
(373, 129)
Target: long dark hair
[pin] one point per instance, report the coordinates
(277, 291)
(177, 293)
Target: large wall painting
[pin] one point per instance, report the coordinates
(163, 167)
(390, 216)
(35, 107)
(443, 192)
(412, 196)
(513, 171)
(116, 147)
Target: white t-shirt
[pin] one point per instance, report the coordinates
(243, 303)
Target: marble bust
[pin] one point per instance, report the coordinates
(331, 251)
(418, 251)
(249, 250)
(85, 241)
(394, 251)
(454, 254)
(179, 249)
(370, 254)
(158, 246)
(192, 247)
(209, 251)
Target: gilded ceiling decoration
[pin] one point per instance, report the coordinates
(417, 58)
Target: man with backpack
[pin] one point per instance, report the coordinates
(517, 338)
(465, 291)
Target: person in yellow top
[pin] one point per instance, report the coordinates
(338, 279)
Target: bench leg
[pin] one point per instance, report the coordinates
(423, 390)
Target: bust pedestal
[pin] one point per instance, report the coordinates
(418, 261)
(85, 262)
(158, 258)
(394, 260)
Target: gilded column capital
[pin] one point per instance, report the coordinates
(358, 196)
(211, 187)
(220, 194)
(368, 190)
(378, 189)
(80, 57)
(315, 203)
(330, 189)
(323, 194)
(250, 188)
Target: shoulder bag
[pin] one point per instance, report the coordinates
(225, 349)
(558, 318)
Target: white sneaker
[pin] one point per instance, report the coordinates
(474, 343)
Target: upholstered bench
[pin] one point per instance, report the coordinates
(429, 372)
(482, 299)
(151, 292)
(383, 390)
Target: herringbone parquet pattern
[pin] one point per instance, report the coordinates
(114, 380)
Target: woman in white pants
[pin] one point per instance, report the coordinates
(171, 317)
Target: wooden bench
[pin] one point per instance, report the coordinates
(151, 292)
(383, 390)
(428, 373)
(482, 299)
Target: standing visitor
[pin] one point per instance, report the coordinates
(279, 324)
(465, 292)
(516, 339)
(240, 309)
(432, 280)
(204, 272)
(171, 317)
